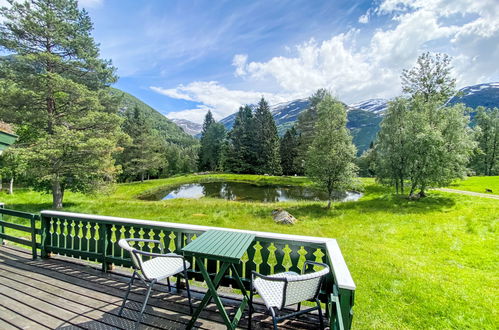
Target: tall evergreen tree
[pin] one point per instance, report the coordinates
(486, 160)
(55, 83)
(144, 154)
(212, 137)
(306, 128)
(330, 158)
(238, 153)
(289, 152)
(266, 141)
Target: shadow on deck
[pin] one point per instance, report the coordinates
(66, 293)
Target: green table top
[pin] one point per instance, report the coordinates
(220, 245)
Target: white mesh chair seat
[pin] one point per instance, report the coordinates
(162, 267)
(272, 291)
(299, 288)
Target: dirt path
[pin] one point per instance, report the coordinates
(469, 193)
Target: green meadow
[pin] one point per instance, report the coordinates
(431, 263)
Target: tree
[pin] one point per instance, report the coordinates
(306, 128)
(266, 144)
(331, 155)
(144, 154)
(430, 79)
(486, 160)
(12, 166)
(392, 143)
(55, 84)
(238, 153)
(212, 138)
(289, 152)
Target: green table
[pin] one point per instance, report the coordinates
(227, 247)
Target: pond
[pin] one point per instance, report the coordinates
(239, 191)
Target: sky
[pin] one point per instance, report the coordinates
(187, 57)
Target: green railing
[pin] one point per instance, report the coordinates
(95, 238)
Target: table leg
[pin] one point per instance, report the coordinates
(209, 293)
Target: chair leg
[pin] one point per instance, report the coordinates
(169, 284)
(145, 302)
(250, 309)
(299, 307)
(188, 290)
(321, 319)
(274, 317)
(127, 293)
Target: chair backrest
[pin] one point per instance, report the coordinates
(299, 288)
(134, 253)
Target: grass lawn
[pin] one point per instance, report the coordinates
(431, 263)
(478, 184)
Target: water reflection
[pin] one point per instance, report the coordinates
(237, 191)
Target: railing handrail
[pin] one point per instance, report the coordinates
(341, 273)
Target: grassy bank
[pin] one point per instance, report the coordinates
(478, 184)
(430, 263)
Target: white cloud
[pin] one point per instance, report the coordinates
(364, 19)
(468, 30)
(220, 100)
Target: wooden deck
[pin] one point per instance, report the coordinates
(70, 294)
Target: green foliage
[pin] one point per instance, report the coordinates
(306, 127)
(430, 79)
(289, 152)
(210, 151)
(486, 160)
(331, 155)
(12, 166)
(239, 151)
(144, 154)
(421, 140)
(168, 130)
(366, 163)
(266, 141)
(54, 85)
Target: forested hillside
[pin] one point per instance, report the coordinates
(165, 127)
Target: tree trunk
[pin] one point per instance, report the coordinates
(402, 186)
(329, 203)
(57, 195)
(1, 183)
(396, 187)
(11, 186)
(142, 177)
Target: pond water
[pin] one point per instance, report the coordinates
(238, 191)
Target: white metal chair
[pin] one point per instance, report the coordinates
(288, 288)
(150, 272)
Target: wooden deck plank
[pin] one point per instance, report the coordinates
(83, 296)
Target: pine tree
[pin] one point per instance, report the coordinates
(266, 141)
(144, 154)
(212, 137)
(289, 152)
(239, 154)
(330, 159)
(55, 84)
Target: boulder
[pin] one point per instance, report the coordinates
(283, 217)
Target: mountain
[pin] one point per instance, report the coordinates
(363, 121)
(376, 106)
(486, 95)
(166, 128)
(188, 126)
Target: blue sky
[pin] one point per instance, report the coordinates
(185, 57)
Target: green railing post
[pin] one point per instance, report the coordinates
(44, 228)
(33, 235)
(2, 230)
(104, 237)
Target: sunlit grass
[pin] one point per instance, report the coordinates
(430, 263)
(479, 184)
